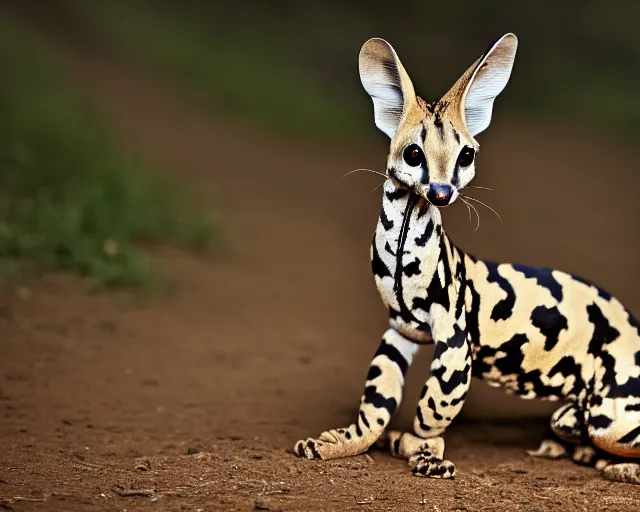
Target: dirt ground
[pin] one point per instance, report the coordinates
(192, 400)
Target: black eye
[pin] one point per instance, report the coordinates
(465, 158)
(413, 155)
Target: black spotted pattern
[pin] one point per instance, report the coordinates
(632, 438)
(378, 267)
(384, 220)
(394, 355)
(453, 286)
(550, 322)
(543, 277)
(504, 308)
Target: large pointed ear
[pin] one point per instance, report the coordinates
(387, 82)
(484, 81)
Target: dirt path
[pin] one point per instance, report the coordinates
(192, 401)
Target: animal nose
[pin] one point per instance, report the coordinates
(439, 195)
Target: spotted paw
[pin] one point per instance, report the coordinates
(431, 467)
(309, 448)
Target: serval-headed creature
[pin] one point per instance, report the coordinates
(538, 332)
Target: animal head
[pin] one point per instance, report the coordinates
(432, 144)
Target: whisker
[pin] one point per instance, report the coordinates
(484, 204)
(378, 186)
(364, 170)
(480, 188)
(467, 205)
(475, 210)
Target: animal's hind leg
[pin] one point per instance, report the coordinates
(614, 427)
(382, 395)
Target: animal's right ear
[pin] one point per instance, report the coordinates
(387, 82)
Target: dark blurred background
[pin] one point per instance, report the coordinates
(292, 65)
(256, 109)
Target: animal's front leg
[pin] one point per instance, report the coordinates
(443, 394)
(441, 400)
(381, 398)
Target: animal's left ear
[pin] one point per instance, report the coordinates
(483, 81)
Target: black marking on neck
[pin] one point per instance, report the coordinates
(422, 240)
(388, 248)
(412, 269)
(423, 209)
(405, 313)
(404, 230)
(378, 267)
(437, 292)
(387, 223)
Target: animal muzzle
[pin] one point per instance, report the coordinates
(439, 194)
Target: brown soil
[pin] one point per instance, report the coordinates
(192, 401)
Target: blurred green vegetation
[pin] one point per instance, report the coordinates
(218, 66)
(69, 199)
(293, 65)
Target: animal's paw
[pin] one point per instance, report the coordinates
(628, 472)
(549, 449)
(331, 444)
(308, 448)
(432, 467)
(585, 455)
